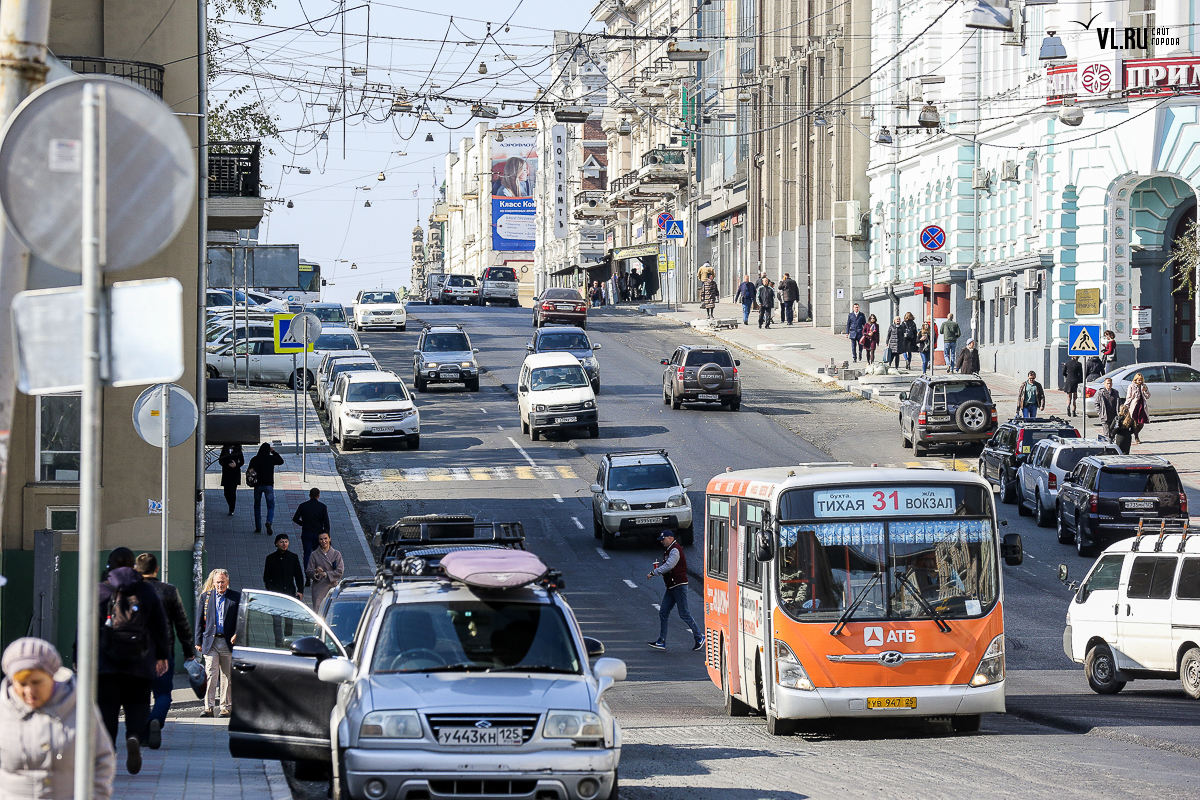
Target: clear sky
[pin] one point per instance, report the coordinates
(295, 65)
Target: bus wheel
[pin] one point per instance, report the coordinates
(779, 727)
(733, 706)
(966, 723)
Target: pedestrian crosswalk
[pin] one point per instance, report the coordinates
(437, 474)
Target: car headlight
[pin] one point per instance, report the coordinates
(675, 501)
(589, 403)
(466, 365)
(391, 725)
(354, 414)
(408, 413)
(618, 505)
(991, 666)
(431, 365)
(539, 408)
(789, 673)
(573, 725)
(588, 362)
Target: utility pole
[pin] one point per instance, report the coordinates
(24, 33)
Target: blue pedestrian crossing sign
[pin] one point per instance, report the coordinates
(287, 339)
(1083, 340)
(675, 229)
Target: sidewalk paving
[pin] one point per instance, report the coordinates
(804, 348)
(194, 761)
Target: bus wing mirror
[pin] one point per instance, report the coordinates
(765, 546)
(1012, 550)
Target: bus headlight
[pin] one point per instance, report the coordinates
(788, 671)
(991, 666)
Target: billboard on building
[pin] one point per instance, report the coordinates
(514, 175)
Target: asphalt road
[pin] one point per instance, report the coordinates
(1059, 739)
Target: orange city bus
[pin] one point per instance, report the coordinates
(837, 591)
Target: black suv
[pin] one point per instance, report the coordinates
(701, 375)
(1011, 445)
(946, 409)
(1111, 497)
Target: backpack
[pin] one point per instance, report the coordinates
(252, 477)
(126, 632)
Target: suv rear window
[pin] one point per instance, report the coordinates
(959, 393)
(698, 358)
(1138, 481)
(1068, 457)
(460, 280)
(500, 274)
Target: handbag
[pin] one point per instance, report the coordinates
(197, 677)
(252, 477)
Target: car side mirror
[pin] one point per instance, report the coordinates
(595, 488)
(608, 671)
(687, 482)
(310, 647)
(1012, 549)
(665, 363)
(595, 647)
(336, 670)
(366, 347)
(737, 362)
(335, 398)
(764, 546)
(529, 346)
(522, 389)
(475, 350)
(1063, 576)
(596, 346)
(903, 396)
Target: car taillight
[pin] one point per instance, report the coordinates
(680, 372)
(1076, 432)
(1092, 504)
(735, 372)
(921, 418)
(994, 418)
(547, 307)
(581, 309)
(1183, 503)
(1020, 441)
(1052, 482)
(1089, 392)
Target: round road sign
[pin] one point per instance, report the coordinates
(304, 324)
(147, 415)
(933, 237)
(664, 218)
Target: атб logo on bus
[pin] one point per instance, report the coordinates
(874, 636)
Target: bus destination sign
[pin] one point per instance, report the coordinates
(889, 501)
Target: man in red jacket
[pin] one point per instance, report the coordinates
(673, 569)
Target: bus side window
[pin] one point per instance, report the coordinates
(751, 571)
(718, 537)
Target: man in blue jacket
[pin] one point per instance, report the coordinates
(745, 296)
(855, 323)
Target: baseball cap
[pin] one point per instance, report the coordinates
(665, 534)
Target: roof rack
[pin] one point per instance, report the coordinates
(649, 452)
(1166, 527)
(445, 534)
(1058, 420)
(457, 325)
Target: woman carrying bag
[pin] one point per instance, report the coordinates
(708, 295)
(1072, 374)
(870, 338)
(231, 461)
(1136, 398)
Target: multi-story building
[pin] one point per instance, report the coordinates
(573, 155)
(1061, 184)
(131, 39)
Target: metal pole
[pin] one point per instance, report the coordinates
(304, 382)
(295, 403)
(201, 290)
(166, 476)
(89, 468)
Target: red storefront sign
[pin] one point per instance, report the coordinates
(1140, 77)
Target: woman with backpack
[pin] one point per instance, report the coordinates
(37, 715)
(870, 339)
(231, 460)
(261, 475)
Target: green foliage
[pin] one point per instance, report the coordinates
(233, 119)
(1185, 259)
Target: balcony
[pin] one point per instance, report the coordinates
(593, 204)
(664, 165)
(623, 192)
(234, 195)
(148, 76)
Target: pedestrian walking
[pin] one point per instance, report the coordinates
(950, 333)
(282, 573)
(1095, 369)
(1031, 398)
(261, 475)
(766, 302)
(231, 460)
(855, 322)
(216, 633)
(895, 342)
(313, 518)
(909, 343)
(1072, 375)
(1108, 407)
(38, 719)
(968, 359)
(132, 652)
(595, 294)
(325, 568)
(1137, 397)
(926, 343)
(622, 288)
(1108, 354)
(745, 295)
(673, 569)
(869, 340)
(177, 625)
(708, 295)
(789, 293)
(1122, 435)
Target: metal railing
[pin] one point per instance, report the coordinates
(148, 76)
(588, 197)
(665, 155)
(233, 169)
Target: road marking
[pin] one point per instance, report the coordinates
(499, 427)
(445, 474)
(630, 584)
(564, 470)
(657, 607)
(578, 524)
(484, 410)
(460, 473)
(558, 498)
(521, 450)
(603, 554)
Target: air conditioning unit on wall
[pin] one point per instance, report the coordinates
(1008, 172)
(1008, 286)
(847, 219)
(1033, 280)
(973, 292)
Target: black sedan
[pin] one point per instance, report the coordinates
(565, 306)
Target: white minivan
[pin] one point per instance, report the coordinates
(554, 393)
(1137, 613)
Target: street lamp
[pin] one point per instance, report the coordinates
(624, 128)
(1052, 48)
(482, 68)
(1071, 115)
(884, 136)
(929, 117)
(381, 177)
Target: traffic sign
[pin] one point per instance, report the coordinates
(933, 237)
(147, 415)
(664, 218)
(1083, 340)
(675, 229)
(290, 330)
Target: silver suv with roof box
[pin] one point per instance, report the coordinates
(638, 493)
(444, 355)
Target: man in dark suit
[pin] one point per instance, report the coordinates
(216, 633)
(282, 573)
(313, 518)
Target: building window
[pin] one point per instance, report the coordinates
(64, 519)
(1012, 321)
(58, 437)
(1028, 295)
(991, 321)
(1034, 316)
(999, 337)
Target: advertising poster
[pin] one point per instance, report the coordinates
(514, 175)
